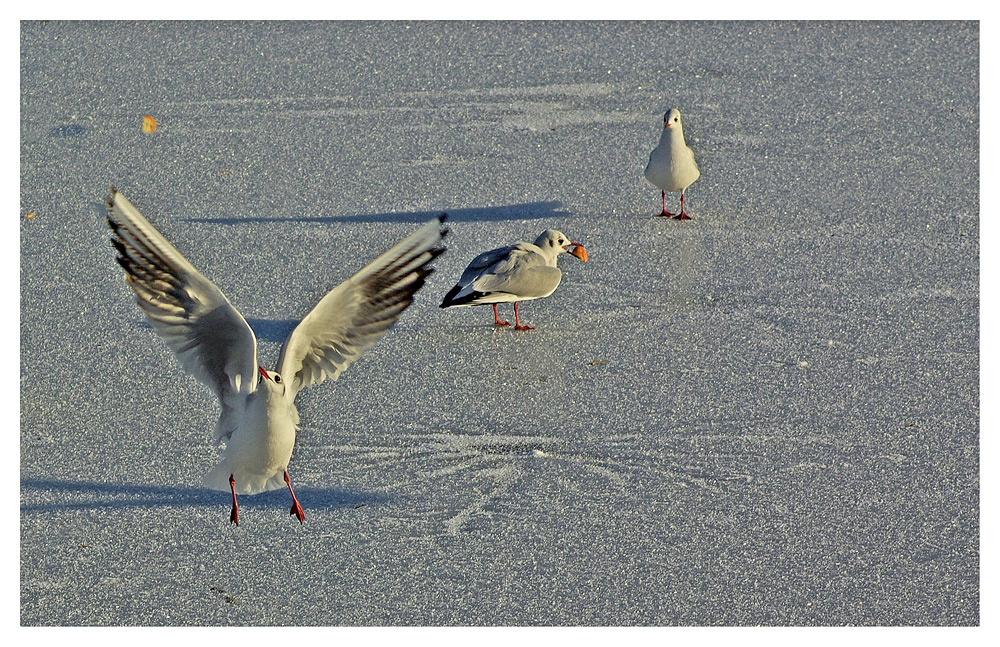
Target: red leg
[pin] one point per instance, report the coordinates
(234, 516)
(682, 215)
(496, 317)
(296, 508)
(517, 319)
(663, 194)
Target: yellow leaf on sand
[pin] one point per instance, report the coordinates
(148, 124)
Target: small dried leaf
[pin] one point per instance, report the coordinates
(30, 214)
(148, 124)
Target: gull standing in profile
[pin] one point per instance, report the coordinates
(214, 343)
(671, 165)
(519, 272)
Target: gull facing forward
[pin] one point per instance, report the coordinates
(671, 165)
(214, 343)
(518, 272)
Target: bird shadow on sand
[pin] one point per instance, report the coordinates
(276, 330)
(523, 211)
(92, 495)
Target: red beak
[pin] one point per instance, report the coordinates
(263, 372)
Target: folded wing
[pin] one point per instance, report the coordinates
(355, 314)
(493, 261)
(506, 274)
(524, 275)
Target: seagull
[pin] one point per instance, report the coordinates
(671, 165)
(519, 272)
(215, 344)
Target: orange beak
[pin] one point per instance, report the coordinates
(666, 125)
(579, 252)
(263, 372)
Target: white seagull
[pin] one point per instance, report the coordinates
(671, 165)
(214, 343)
(519, 272)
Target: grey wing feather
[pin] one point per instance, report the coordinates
(495, 261)
(524, 274)
(358, 312)
(485, 262)
(210, 337)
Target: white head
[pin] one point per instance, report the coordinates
(672, 120)
(555, 242)
(271, 381)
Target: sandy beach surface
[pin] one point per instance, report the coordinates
(768, 415)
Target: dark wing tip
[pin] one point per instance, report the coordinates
(435, 252)
(109, 200)
(468, 299)
(449, 299)
(445, 230)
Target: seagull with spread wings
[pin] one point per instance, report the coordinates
(214, 343)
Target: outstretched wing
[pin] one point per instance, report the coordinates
(355, 314)
(210, 337)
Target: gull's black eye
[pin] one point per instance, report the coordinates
(277, 379)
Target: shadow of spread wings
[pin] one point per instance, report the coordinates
(356, 313)
(210, 337)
